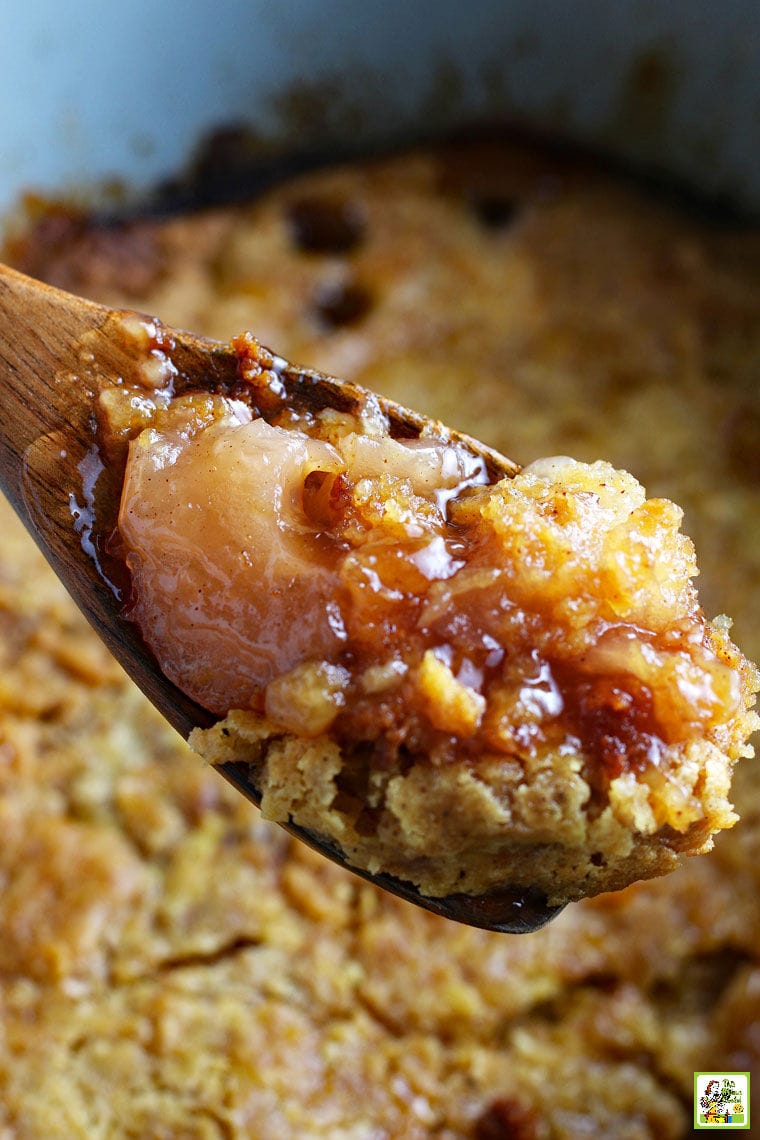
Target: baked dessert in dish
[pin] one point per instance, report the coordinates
(170, 964)
(462, 680)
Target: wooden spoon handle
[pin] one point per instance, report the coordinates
(55, 352)
(41, 338)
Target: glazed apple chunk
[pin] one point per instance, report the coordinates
(463, 682)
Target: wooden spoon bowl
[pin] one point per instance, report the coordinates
(57, 353)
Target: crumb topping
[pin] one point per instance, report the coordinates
(153, 921)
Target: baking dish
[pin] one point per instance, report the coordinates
(161, 959)
(121, 94)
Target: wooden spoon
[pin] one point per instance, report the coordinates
(57, 352)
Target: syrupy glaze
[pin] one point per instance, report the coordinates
(387, 591)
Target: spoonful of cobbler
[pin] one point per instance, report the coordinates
(491, 690)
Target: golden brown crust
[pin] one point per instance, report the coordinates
(200, 975)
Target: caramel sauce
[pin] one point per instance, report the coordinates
(614, 720)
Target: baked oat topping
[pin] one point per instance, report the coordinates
(170, 963)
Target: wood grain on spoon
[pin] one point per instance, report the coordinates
(57, 353)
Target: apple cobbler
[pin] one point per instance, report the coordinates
(171, 964)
